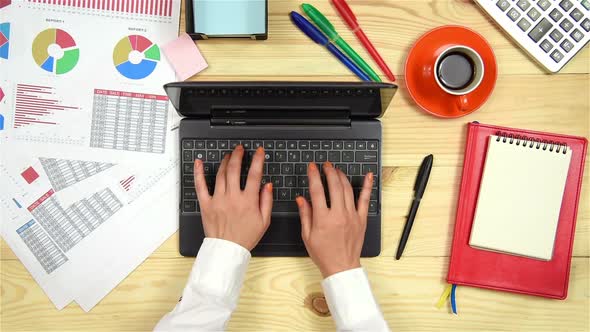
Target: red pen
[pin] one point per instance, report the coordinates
(348, 17)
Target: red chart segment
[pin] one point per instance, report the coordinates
(126, 184)
(36, 105)
(141, 43)
(63, 39)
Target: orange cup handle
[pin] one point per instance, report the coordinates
(462, 103)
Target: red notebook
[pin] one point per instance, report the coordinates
(487, 269)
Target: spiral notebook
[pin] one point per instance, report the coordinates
(518, 205)
(517, 271)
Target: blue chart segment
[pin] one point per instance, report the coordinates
(136, 57)
(4, 40)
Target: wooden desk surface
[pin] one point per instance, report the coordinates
(275, 292)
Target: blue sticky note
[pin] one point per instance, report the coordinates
(229, 17)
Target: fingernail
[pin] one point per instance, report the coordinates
(269, 187)
(370, 175)
(328, 164)
(313, 166)
(260, 150)
(299, 201)
(239, 147)
(198, 163)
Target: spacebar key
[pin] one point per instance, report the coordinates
(284, 207)
(540, 30)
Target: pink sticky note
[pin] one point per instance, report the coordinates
(185, 57)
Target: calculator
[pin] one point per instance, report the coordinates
(551, 31)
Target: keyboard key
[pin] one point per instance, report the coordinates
(523, 4)
(187, 155)
(300, 169)
(296, 193)
(347, 156)
(361, 145)
(212, 155)
(307, 156)
(265, 179)
(586, 24)
(188, 181)
(513, 14)
(303, 145)
(503, 5)
(280, 156)
(223, 145)
(338, 145)
(211, 144)
(556, 14)
(189, 206)
(290, 181)
(567, 46)
(342, 167)
(188, 168)
(366, 156)
(577, 15)
(370, 168)
(372, 145)
(269, 145)
(294, 156)
(302, 181)
(321, 156)
(287, 169)
(534, 14)
(348, 145)
(292, 145)
(199, 144)
(546, 46)
(556, 35)
(257, 144)
(188, 144)
(277, 181)
(374, 194)
(189, 193)
(315, 145)
(354, 169)
(274, 169)
(268, 156)
(200, 155)
(326, 145)
(544, 4)
(566, 25)
(577, 35)
(373, 206)
(233, 144)
(209, 168)
(283, 195)
(557, 56)
(566, 5)
(224, 153)
(281, 145)
(540, 30)
(334, 156)
(524, 24)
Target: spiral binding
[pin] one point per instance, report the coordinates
(531, 142)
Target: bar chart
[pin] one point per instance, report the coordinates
(150, 8)
(36, 105)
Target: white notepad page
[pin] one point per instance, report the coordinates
(520, 198)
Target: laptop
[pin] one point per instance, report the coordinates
(296, 123)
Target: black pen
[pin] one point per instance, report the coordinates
(419, 187)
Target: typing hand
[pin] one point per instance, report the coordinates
(240, 216)
(334, 236)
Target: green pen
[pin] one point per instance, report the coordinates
(322, 22)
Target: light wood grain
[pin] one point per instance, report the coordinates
(275, 290)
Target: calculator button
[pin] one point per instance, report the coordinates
(586, 4)
(566, 5)
(540, 30)
(523, 4)
(567, 45)
(566, 25)
(577, 15)
(544, 4)
(503, 5)
(556, 15)
(523, 24)
(556, 56)
(556, 35)
(534, 14)
(513, 14)
(577, 35)
(546, 46)
(586, 25)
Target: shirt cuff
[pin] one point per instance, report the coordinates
(351, 301)
(219, 269)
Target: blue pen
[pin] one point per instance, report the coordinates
(317, 36)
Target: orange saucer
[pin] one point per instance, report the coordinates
(419, 71)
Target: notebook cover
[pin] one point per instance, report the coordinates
(480, 268)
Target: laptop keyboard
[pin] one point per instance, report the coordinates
(285, 166)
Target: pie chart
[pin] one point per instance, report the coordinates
(55, 51)
(136, 57)
(4, 40)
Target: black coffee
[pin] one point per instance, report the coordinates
(456, 71)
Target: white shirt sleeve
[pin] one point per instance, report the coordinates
(351, 302)
(213, 289)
